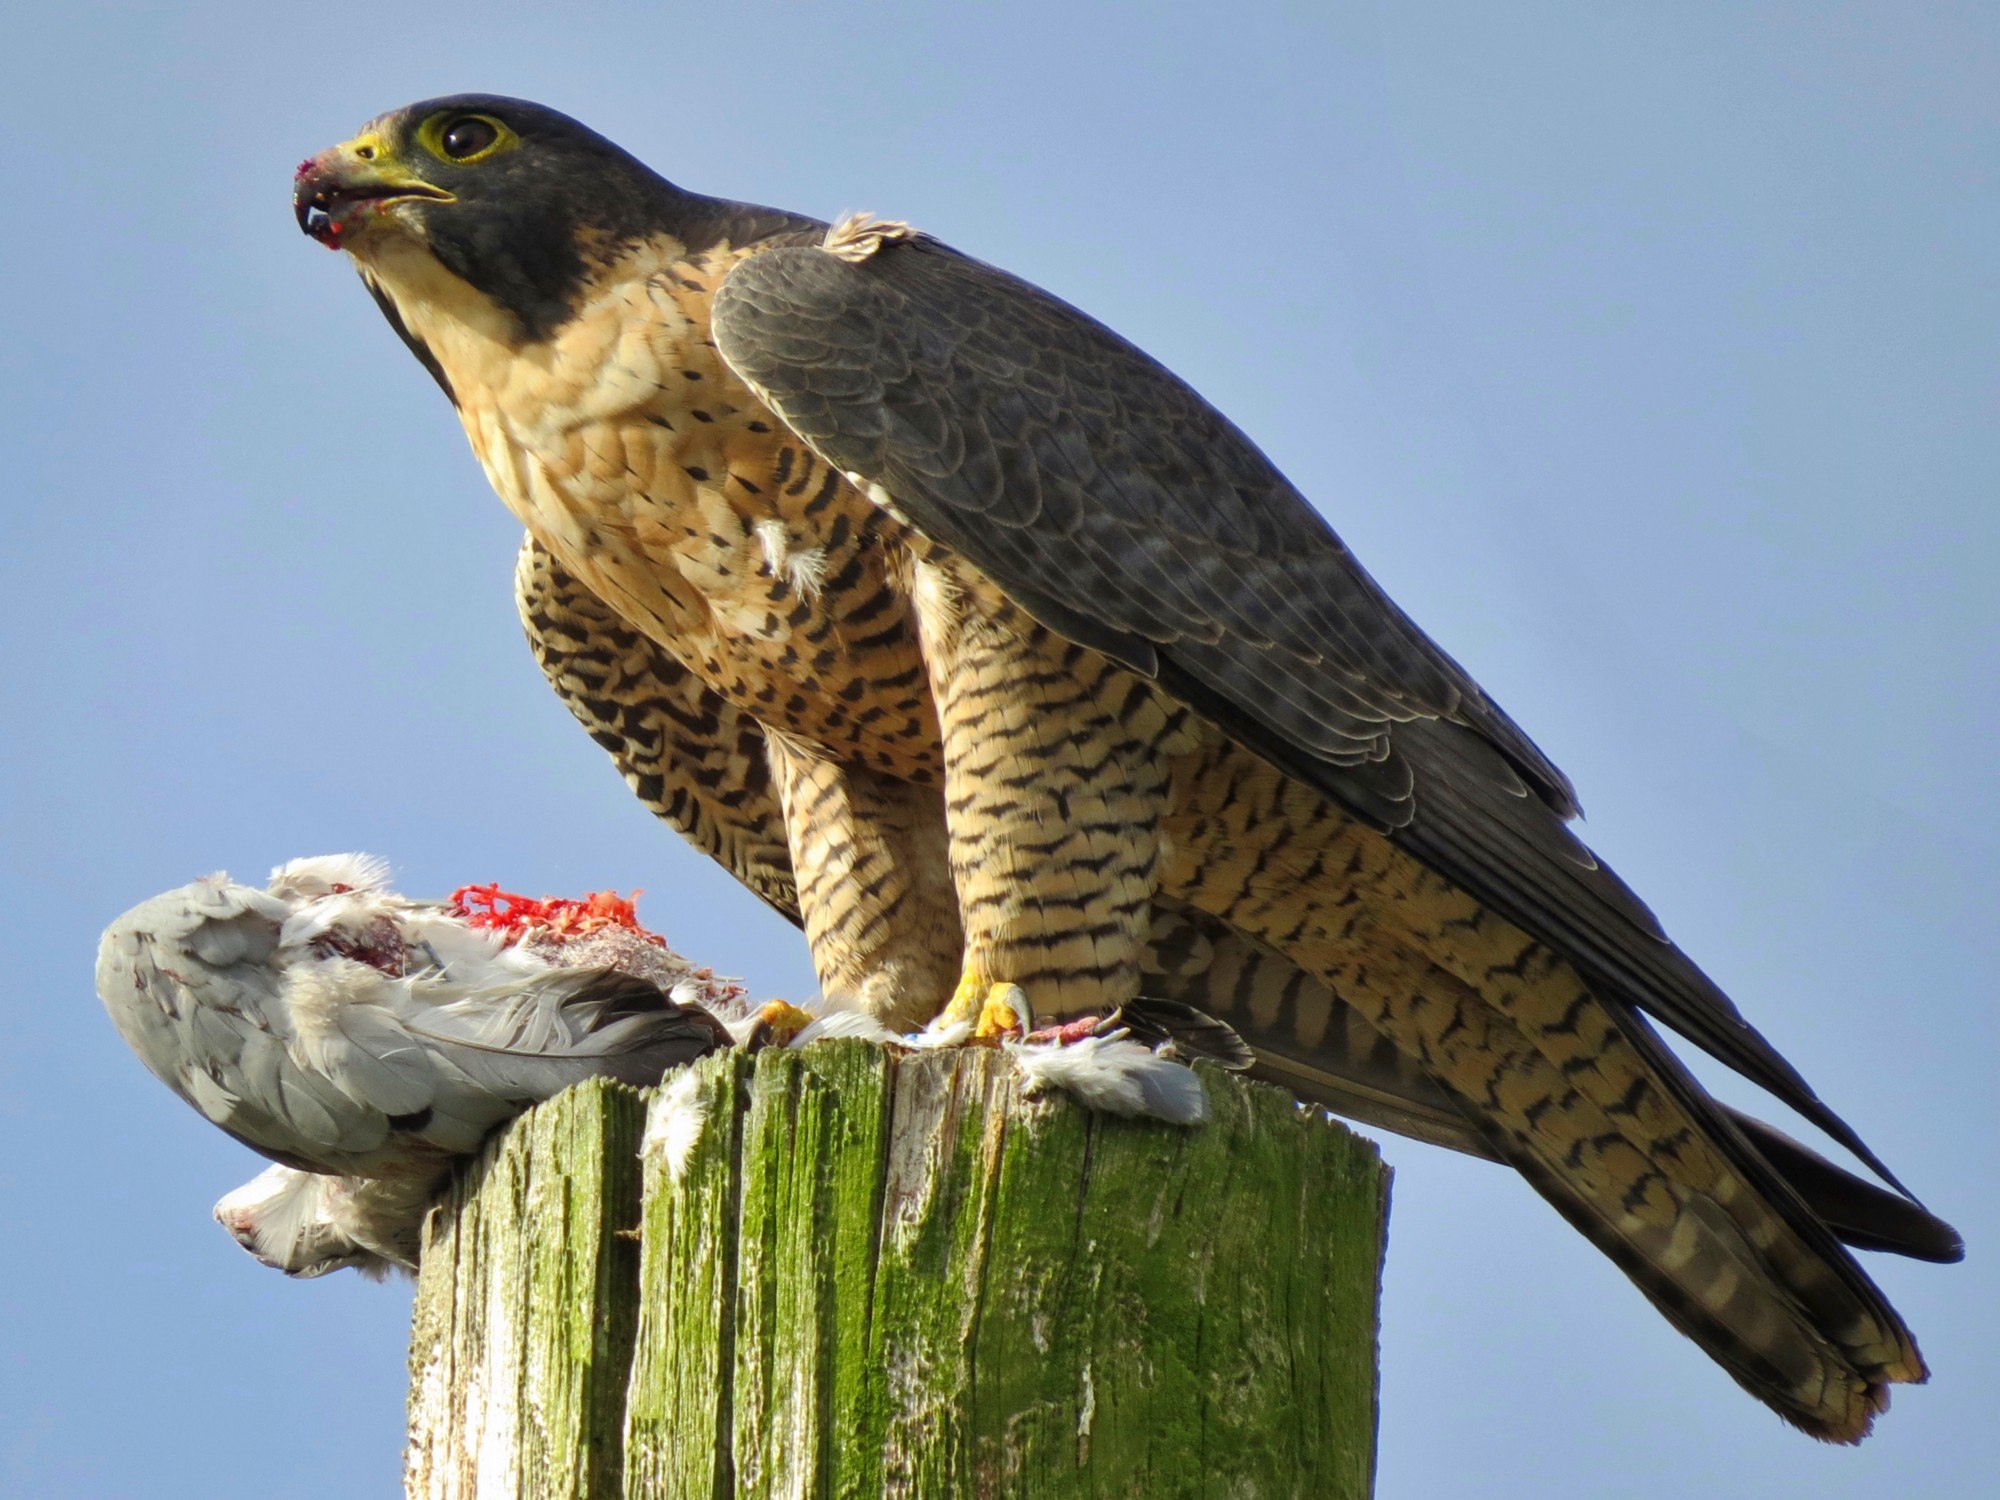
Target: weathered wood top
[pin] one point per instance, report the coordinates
(893, 1275)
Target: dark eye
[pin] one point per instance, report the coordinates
(468, 137)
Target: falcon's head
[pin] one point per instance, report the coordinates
(513, 200)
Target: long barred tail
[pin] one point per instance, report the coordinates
(1723, 1226)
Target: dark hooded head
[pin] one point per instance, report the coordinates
(518, 201)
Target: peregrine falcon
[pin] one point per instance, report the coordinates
(981, 645)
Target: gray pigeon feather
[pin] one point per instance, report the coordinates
(339, 1028)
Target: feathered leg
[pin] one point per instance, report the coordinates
(874, 884)
(1056, 773)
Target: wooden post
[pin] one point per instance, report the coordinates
(521, 1342)
(869, 1274)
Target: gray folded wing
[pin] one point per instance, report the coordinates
(1128, 515)
(332, 1066)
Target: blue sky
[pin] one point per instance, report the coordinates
(1646, 354)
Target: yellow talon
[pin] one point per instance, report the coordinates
(981, 1013)
(992, 1010)
(777, 1022)
(967, 1002)
(1005, 1013)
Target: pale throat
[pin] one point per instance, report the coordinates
(591, 369)
(590, 436)
(467, 333)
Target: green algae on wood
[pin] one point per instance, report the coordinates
(521, 1342)
(880, 1274)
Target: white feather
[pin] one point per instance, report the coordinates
(466, 955)
(674, 1123)
(855, 1024)
(940, 1033)
(936, 598)
(306, 1224)
(318, 915)
(317, 875)
(776, 542)
(804, 568)
(855, 237)
(1115, 1075)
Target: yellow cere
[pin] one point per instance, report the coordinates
(386, 165)
(370, 145)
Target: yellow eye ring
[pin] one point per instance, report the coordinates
(463, 139)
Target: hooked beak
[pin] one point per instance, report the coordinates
(339, 190)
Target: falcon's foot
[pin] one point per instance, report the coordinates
(980, 1013)
(1094, 1059)
(775, 1024)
